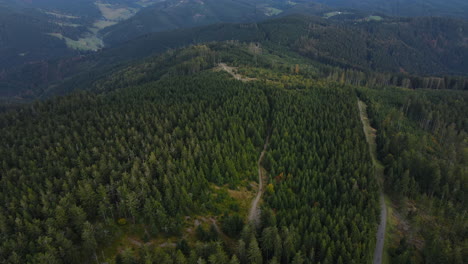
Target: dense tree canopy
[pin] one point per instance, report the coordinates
(422, 142)
(172, 139)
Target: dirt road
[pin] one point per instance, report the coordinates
(378, 168)
(233, 73)
(254, 214)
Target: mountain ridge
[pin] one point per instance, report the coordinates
(421, 46)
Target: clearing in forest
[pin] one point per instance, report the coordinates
(233, 72)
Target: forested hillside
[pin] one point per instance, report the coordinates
(34, 32)
(423, 144)
(176, 14)
(136, 160)
(322, 186)
(233, 131)
(157, 162)
(405, 52)
(18, 28)
(419, 46)
(409, 8)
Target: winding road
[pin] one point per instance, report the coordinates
(378, 169)
(254, 213)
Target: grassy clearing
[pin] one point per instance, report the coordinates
(228, 201)
(90, 42)
(59, 15)
(244, 197)
(130, 237)
(224, 201)
(334, 13)
(114, 13)
(119, 243)
(100, 24)
(145, 3)
(271, 11)
(67, 24)
(374, 18)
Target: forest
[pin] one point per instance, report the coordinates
(423, 145)
(77, 170)
(407, 52)
(157, 163)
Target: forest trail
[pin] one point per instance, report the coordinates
(233, 73)
(378, 168)
(254, 214)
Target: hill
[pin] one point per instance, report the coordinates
(408, 8)
(159, 161)
(413, 46)
(18, 28)
(176, 14)
(37, 31)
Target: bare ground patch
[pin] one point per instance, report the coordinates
(233, 72)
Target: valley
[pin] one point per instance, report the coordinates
(366, 61)
(91, 39)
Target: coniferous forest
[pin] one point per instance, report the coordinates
(423, 145)
(239, 152)
(152, 155)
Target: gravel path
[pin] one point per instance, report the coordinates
(232, 72)
(254, 214)
(378, 168)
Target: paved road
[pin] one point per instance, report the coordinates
(370, 138)
(254, 214)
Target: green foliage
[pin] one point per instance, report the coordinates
(320, 167)
(412, 53)
(122, 221)
(173, 14)
(143, 154)
(232, 225)
(422, 142)
(438, 8)
(163, 139)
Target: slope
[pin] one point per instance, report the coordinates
(18, 28)
(401, 47)
(439, 8)
(174, 14)
(415, 131)
(33, 32)
(148, 155)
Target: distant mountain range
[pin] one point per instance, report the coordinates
(423, 46)
(32, 31)
(49, 42)
(174, 14)
(409, 8)
(36, 30)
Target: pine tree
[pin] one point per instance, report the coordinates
(254, 255)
